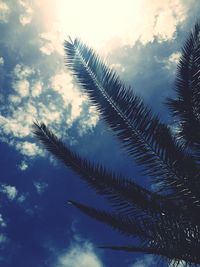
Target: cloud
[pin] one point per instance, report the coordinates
(22, 88)
(52, 41)
(42, 89)
(29, 149)
(36, 89)
(126, 26)
(22, 198)
(23, 165)
(171, 62)
(10, 191)
(79, 255)
(40, 187)
(22, 71)
(1, 61)
(4, 12)
(62, 84)
(2, 223)
(175, 57)
(27, 15)
(3, 239)
(37, 95)
(145, 261)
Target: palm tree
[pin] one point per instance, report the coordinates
(165, 222)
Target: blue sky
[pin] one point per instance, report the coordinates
(141, 40)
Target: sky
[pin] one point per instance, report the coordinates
(141, 40)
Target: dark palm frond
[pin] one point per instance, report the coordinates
(186, 107)
(159, 238)
(124, 194)
(150, 249)
(124, 224)
(143, 135)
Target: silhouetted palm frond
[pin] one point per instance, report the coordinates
(141, 132)
(187, 105)
(163, 238)
(166, 223)
(123, 193)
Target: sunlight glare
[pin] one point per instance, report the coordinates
(98, 22)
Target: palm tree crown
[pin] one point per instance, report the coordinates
(166, 222)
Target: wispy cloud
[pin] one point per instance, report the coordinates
(40, 187)
(145, 261)
(27, 14)
(1, 61)
(10, 191)
(88, 24)
(23, 165)
(4, 12)
(2, 222)
(81, 255)
(41, 88)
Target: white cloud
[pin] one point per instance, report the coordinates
(51, 96)
(79, 255)
(22, 71)
(22, 198)
(90, 121)
(36, 89)
(171, 62)
(29, 149)
(1, 61)
(3, 239)
(25, 19)
(9, 190)
(62, 84)
(40, 187)
(4, 12)
(156, 14)
(14, 99)
(52, 41)
(55, 102)
(23, 165)
(22, 87)
(49, 113)
(27, 15)
(145, 261)
(19, 123)
(118, 67)
(125, 26)
(2, 223)
(175, 57)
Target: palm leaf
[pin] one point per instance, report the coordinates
(124, 194)
(141, 133)
(186, 108)
(174, 257)
(124, 224)
(163, 238)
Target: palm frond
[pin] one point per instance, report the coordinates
(170, 256)
(124, 224)
(125, 195)
(186, 107)
(141, 132)
(163, 238)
